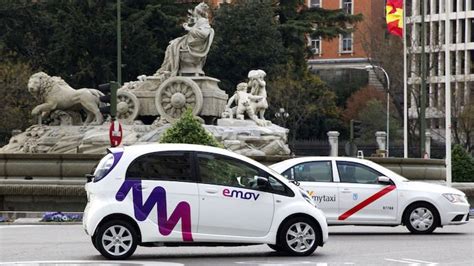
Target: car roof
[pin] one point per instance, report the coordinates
(134, 151)
(140, 149)
(294, 161)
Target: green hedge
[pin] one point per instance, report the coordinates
(463, 165)
(189, 130)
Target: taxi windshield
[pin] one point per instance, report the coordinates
(399, 177)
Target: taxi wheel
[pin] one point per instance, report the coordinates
(116, 240)
(298, 237)
(421, 218)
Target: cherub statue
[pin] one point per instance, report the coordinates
(257, 85)
(243, 101)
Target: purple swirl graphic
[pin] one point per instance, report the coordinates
(158, 197)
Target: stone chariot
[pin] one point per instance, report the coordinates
(170, 98)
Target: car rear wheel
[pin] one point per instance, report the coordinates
(421, 218)
(298, 237)
(116, 240)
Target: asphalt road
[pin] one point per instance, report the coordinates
(348, 245)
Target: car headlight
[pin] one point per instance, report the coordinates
(454, 198)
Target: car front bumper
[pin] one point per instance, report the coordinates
(455, 214)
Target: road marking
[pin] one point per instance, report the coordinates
(402, 261)
(275, 263)
(413, 261)
(422, 261)
(20, 226)
(366, 202)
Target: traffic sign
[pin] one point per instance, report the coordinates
(115, 133)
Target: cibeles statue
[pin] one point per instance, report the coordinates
(180, 83)
(187, 54)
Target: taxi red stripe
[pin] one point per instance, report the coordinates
(366, 202)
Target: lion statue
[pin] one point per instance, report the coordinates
(58, 95)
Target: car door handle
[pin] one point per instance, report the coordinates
(210, 190)
(346, 190)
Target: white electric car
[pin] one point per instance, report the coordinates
(181, 194)
(354, 191)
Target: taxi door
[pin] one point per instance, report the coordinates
(316, 177)
(362, 198)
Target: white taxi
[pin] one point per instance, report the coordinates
(181, 194)
(354, 191)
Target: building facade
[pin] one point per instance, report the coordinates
(460, 16)
(348, 51)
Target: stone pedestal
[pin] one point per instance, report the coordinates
(334, 142)
(427, 154)
(243, 137)
(381, 138)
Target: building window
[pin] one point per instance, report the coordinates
(315, 3)
(347, 6)
(346, 43)
(315, 45)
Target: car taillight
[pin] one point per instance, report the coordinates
(106, 165)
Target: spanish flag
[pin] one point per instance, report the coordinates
(394, 9)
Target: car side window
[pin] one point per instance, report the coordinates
(221, 170)
(167, 166)
(350, 172)
(310, 172)
(226, 171)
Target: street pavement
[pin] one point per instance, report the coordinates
(348, 245)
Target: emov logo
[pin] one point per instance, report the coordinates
(240, 194)
(158, 197)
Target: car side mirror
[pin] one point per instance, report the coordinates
(263, 183)
(384, 180)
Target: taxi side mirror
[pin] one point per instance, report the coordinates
(384, 180)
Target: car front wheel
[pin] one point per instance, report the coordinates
(298, 237)
(116, 240)
(421, 218)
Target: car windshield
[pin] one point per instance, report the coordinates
(280, 176)
(391, 173)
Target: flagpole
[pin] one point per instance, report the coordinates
(405, 85)
(447, 91)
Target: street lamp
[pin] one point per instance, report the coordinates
(282, 115)
(388, 100)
